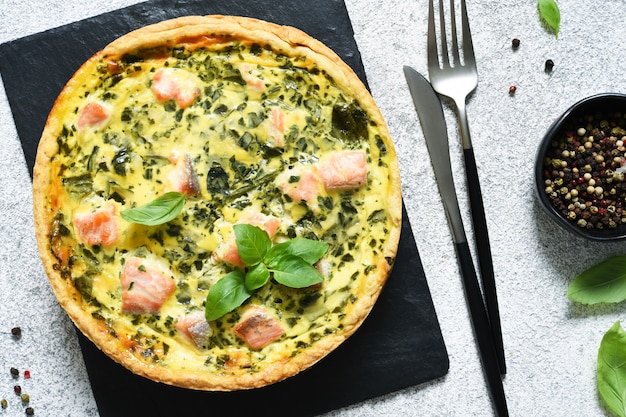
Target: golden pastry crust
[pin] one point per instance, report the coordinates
(239, 367)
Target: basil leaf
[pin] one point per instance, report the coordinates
(602, 283)
(159, 211)
(309, 250)
(611, 370)
(295, 272)
(550, 14)
(226, 295)
(257, 277)
(252, 243)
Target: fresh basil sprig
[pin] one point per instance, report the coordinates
(550, 14)
(611, 370)
(602, 283)
(290, 263)
(227, 293)
(161, 210)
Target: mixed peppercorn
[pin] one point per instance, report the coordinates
(16, 332)
(584, 172)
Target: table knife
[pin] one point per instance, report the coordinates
(430, 114)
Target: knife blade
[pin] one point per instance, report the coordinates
(431, 117)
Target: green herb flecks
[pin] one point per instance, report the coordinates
(289, 263)
(550, 14)
(602, 283)
(159, 211)
(611, 371)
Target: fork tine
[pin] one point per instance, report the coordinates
(433, 56)
(455, 42)
(468, 47)
(444, 41)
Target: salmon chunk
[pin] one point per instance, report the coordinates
(257, 327)
(276, 130)
(301, 185)
(183, 178)
(99, 227)
(92, 115)
(145, 286)
(252, 79)
(343, 170)
(195, 327)
(175, 84)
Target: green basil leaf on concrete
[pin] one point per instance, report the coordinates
(550, 14)
(159, 211)
(602, 283)
(226, 295)
(252, 243)
(611, 371)
(293, 271)
(257, 277)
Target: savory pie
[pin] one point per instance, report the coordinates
(161, 144)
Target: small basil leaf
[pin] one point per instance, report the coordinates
(611, 370)
(257, 277)
(161, 210)
(252, 243)
(293, 271)
(226, 295)
(549, 12)
(602, 283)
(309, 250)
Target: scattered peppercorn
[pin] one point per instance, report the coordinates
(27, 374)
(4, 403)
(515, 43)
(15, 372)
(549, 65)
(512, 89)
(25, 398)
(585, 169)
(16, 331)
(30, 411)
(17, 389)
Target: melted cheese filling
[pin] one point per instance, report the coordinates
(237, 150)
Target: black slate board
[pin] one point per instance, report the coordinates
(399, 345)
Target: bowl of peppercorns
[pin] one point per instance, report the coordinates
(580, 171)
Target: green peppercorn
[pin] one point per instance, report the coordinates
(4, 403)
(15, 372)
(25, 398)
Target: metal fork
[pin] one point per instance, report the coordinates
(456, 79)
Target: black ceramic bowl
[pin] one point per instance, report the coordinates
(598, 107)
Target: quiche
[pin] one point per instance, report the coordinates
(174, 137)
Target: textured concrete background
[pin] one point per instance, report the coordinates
(551, 344)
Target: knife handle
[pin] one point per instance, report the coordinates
(482, 329)
(483, 251)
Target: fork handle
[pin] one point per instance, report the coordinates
(483, 250)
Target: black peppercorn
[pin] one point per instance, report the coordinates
(515, 43)
(30, 411)
(15, 372)
(549, 65)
